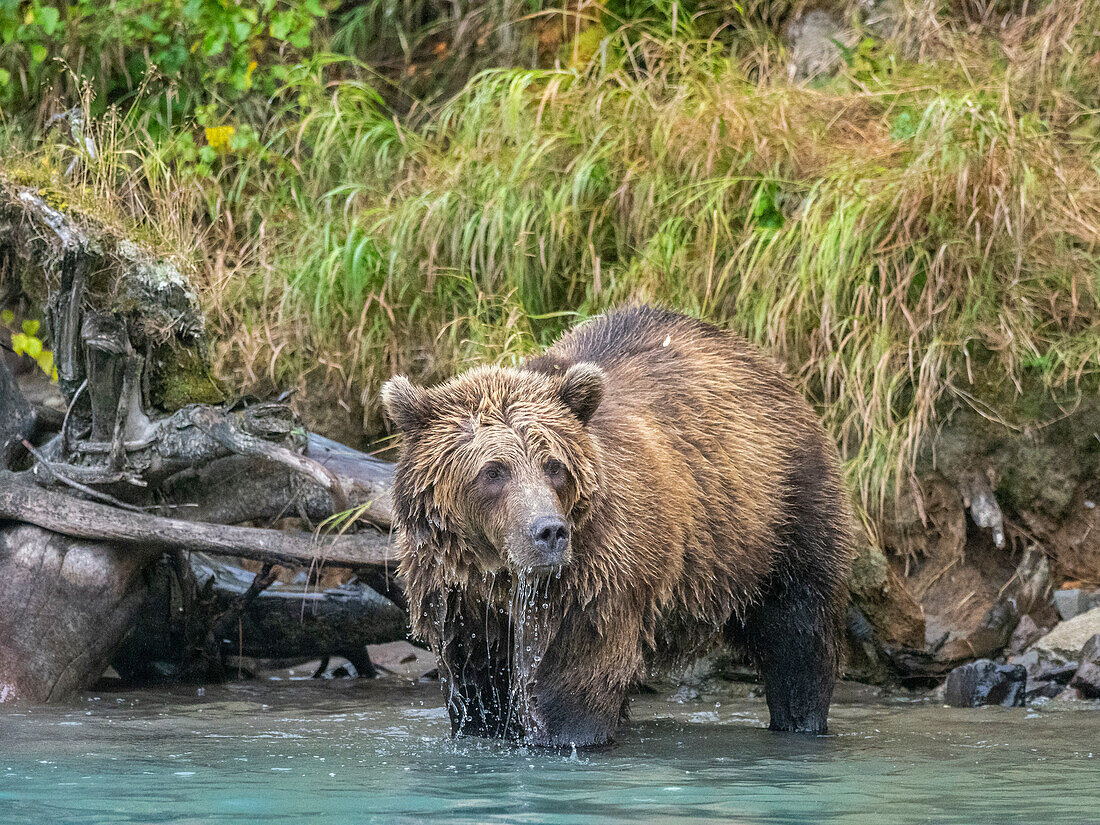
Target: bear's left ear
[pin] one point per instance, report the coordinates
(581, 390)
(407, 406)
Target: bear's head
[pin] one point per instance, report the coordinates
(498, 468)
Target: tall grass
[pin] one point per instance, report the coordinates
(908, 239)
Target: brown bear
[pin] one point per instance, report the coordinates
(646, 487)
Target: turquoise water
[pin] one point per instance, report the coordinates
(357, 751)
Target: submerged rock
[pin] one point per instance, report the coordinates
(986, 683)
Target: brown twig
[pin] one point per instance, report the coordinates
(76, 485)
(260, 582)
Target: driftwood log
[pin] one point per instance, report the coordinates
(256, 619)
(77, 518)
(64, 606)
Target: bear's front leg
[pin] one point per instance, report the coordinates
(473, 665)
(563, 717)
(577, 693)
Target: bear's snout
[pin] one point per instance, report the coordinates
(550, 537)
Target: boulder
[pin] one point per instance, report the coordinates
(986, 683)
(1042, 690)
(1068, 638)
(1025, 634)
(1087, 678)
(815, 40)
(1071, 603)
(1047, 673)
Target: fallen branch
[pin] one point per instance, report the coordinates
(234, 489)
(22, 501)
(260, 582)
(223, 430)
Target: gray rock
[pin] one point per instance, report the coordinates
(986, 683)
(1057, 673)
(1068, 638)
(1087, 678)
(684, 694)
(978, 497)
(1039, 664)
(1087, 681)
(812, 39)
(1025, 634)
(1042, 690)
(1070, 603)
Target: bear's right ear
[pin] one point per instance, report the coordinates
(582, 390)
(407, 406)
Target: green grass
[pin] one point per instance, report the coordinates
(908, 238)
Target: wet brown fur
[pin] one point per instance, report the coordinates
(704, 500)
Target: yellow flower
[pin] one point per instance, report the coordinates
(218, 137)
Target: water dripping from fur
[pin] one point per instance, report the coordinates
(530, 631)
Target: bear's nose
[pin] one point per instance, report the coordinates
(551, 537)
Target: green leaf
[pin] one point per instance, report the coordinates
(26, 345)
(47, 17)
(214, 44)
(38, 52)
(45, 362)
(904, 127)
(31, 327)
(280, 26)
(7, 316)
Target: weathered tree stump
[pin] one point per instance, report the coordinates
(65, 604)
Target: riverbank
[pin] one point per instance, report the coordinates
(910, 227)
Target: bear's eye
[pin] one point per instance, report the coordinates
(554, 468)
(494, 472)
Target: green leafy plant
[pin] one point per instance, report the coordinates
(214, 48)
(25, 341)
